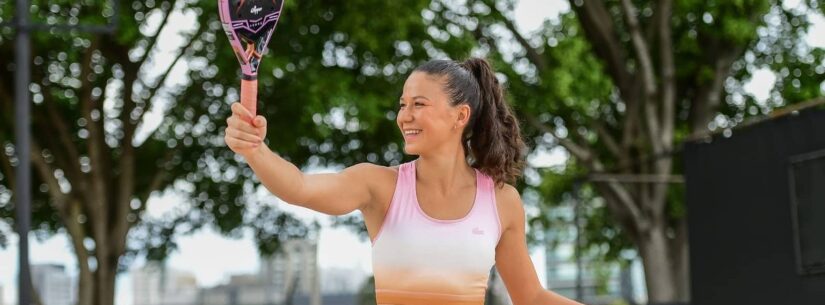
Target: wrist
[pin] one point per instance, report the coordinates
(257, 153)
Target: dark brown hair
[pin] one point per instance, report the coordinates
(492, 137)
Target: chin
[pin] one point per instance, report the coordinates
(411, 150)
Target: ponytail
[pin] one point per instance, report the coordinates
(492, 138)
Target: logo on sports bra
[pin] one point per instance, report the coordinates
(478, 231)
(255, 9)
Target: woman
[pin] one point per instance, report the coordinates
(439, 223)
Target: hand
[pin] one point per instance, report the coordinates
(243, 134)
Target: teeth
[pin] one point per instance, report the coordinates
(412, 131)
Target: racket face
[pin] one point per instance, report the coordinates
(249, 25)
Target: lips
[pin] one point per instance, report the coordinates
(410, 134)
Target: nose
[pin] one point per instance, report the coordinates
(405, 115)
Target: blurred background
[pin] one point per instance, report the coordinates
(137, 201)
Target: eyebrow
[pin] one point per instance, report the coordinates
(414, 97)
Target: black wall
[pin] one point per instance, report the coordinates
(741, 235)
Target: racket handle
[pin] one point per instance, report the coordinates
(249, 95)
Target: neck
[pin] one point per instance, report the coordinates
(444, 171)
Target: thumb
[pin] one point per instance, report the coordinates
(259, 121)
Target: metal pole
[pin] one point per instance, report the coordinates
(579, 240)
(22, 192)
(22, 132)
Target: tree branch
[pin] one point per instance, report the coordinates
(96, 206)
(47, 174)
(615, 205)
(126, 176)
(581, 152)
(664, 166)
(532, 54)
(608, 140)
(585, 155)
(598, 27)
(77, 233)
(160, 176)
(710, 94)
(646, 68)
(72, 156)
(640, 47)
(625, 198)
(665, 11)
(154, 39)
(722, 54)
(153, 90)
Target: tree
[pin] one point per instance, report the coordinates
(620, 85)
(114, 127)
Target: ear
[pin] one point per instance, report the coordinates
(463, 117)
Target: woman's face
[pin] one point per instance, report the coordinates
(425, 117)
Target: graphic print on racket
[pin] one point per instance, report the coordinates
(249, 24)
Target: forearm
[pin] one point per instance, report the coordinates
(547, 297)
(279, 176)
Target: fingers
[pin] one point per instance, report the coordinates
(243, 130)
(241, 111)
(239, 145)
(235, 122)
(238, 129)
(244, 136)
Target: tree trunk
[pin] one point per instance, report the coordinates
(105, 286)
(85, 286)
(96, 283)
(664, 282)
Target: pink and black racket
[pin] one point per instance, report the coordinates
(249, 25)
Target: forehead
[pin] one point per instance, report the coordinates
(421, 83)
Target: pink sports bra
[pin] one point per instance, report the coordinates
(418, 259)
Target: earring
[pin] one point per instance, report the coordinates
(453, 126)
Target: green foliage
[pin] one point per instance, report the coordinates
(576, 95)
(328, 86)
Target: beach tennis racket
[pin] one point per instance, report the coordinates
(249, 25)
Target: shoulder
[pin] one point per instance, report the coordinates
(366, 169)
(380, 180)
(510, 207)
(371, 174)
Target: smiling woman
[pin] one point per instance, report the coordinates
(438, 224)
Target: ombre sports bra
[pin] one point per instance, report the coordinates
(418, 259)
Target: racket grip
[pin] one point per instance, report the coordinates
(249, 95)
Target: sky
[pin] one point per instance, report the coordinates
(213, 258)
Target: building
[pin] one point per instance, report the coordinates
(241, 289)
(155, 284)
(340, 280)
(290, 273)
(294, 270)
(53, 285)
(601, 283)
